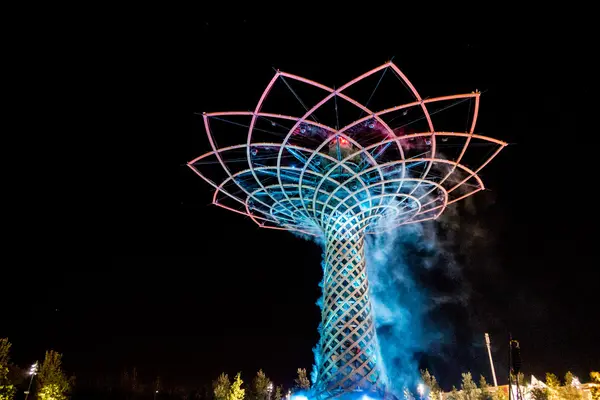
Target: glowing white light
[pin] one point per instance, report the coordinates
(33, 369)
(421, 389)
(299, 397)
(270, 387)
(365, 397)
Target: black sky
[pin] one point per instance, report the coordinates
(143, 272)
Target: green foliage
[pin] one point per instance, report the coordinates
(4, 351)
(7, 389)
(302, 381)
(221, 387)
(454, 394)
(51, 391)
(53, 383)
(260, 386)
(500, 395)
(552, 381)
(432, 384)
(569, 392)
(569, 378)
(595, 376)
(484, 389)
(540, 393)
(553, 384)
(278, 392)
(468, 387)
(235, 391)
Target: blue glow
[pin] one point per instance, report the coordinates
(299, 397)
(314, 373)
(352, 395)
(399, 302)
(372, 327)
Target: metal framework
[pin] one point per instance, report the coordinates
(340, 184)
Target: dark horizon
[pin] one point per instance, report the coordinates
(145, 287)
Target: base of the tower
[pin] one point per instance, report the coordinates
(344, 395)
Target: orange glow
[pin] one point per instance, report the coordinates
(343, 141)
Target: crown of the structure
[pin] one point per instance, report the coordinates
(296, 173)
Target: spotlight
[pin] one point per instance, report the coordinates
(421, 389)
(33, 369)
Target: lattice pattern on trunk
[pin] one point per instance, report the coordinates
(293, 172)
(348, 341)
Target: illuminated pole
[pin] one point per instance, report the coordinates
(33, 373)
(516, 365)
(489, 348)
(510, 366)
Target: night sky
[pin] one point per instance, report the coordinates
(141, 271)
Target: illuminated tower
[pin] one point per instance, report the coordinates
(339, 184)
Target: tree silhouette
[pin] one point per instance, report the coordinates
(53, 383)
(484, 389)
(302, 381)
(595, 376)
(431, 384)
(468, 387)
(221, 387)
(7, 389)
(260, 386)
(236, 392)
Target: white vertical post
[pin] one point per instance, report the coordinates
(489, 348)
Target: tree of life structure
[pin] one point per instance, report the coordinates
(340, 183)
